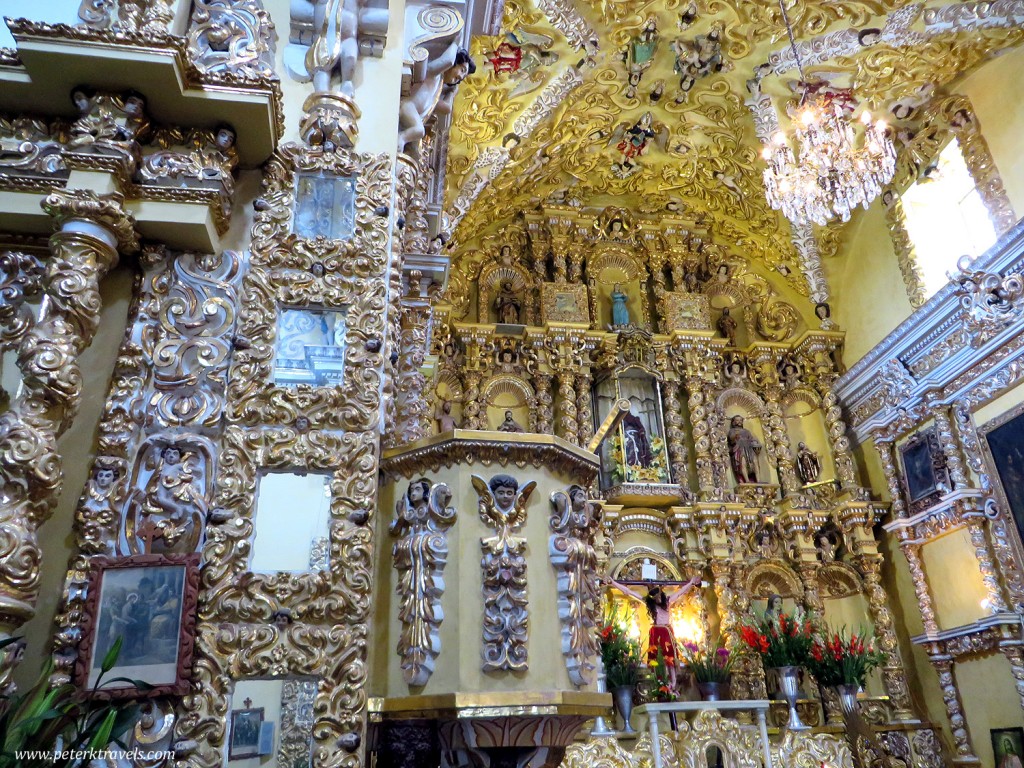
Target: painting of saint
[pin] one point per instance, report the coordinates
(1005, 443)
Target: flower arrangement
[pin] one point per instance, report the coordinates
(781, 639)
(708, 662)
(840, 660)
(660, 682)
(657, 472)
(620, 654)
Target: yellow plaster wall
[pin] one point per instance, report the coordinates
(989, 700)
(955, 580)
(996, 91)
(868, 295)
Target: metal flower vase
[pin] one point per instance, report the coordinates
(848, 698)
(712, 691)
(622, 698)
(789, 687)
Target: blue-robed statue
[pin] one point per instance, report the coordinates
(620, 313)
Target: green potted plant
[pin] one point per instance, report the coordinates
(623, 668)
(710, 664)
(34, 724)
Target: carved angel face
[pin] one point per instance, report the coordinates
(225, 138)
(171, 454)
(505, 496)
(104, 477)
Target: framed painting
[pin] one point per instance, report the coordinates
(564, 303)
(1008, 747)
(1002, 443)
(925, 478)
(244, 740)
(148, 602)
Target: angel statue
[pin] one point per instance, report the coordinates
(168, 514)
(502, 507)
(422, 518)
(574, 523)
(632, 141)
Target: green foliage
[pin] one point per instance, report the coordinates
(708, 662)
(44, 718)
(620, 654)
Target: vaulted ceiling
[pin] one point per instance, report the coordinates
(652, 105)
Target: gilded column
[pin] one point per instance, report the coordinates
(701, 435)
(924, 596)
(92, 229)
(894, 676)
(812, 602)
(722, 573)
(567, 424)
(836, 427)
(886, 451)
(584, 412)
(986, 564)
(412, 384)
(748, 677)
(954, 709)
(1015, 655)
(947, 441)
(472, 416)
(676, 438)
(780, 437)
(545, 403)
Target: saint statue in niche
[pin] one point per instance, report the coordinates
(445, 421)
(727, 327)
(636, 444)
(744, 449)
(620, 312)
(808, 465)
(510, 424)
(507, 304)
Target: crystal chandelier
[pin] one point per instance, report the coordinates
(833, 175)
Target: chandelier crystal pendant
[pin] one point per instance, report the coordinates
(834, 175)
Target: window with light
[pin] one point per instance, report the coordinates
(946, 217)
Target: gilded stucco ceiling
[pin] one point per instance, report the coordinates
(682, 137)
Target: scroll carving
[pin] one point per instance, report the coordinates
(422, 519)
(574, 523)
(232, 37)
(502, 506)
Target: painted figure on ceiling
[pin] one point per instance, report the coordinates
(744, 449)
(639, 55)
(632, 141)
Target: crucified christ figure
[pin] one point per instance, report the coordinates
(659, 606)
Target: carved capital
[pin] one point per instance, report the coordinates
(106, 210)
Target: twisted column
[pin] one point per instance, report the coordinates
(92, 229)
(954, 709)
(545, 403)
(885, 450)
(894, 676)
(748, 674)
(584, 411)
(924, 596)
(701, 435)
(987, 565)
(567, 424)
(1015, 655)
(949, 445)
(472, 416)
(676, 438)
(413, 423)
(841, 453)
(776, 426)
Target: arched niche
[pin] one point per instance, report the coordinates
(611, 268)
(493, 278)
(845, 605)
(735, 402)
(510, 393)
(641, 563)
(774, 578)
(636, 452)
(805, 423)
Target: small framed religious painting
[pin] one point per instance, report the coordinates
(1008, 747)
(1002, 442)
(925, 478)
(244, 740)
(139, 626)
